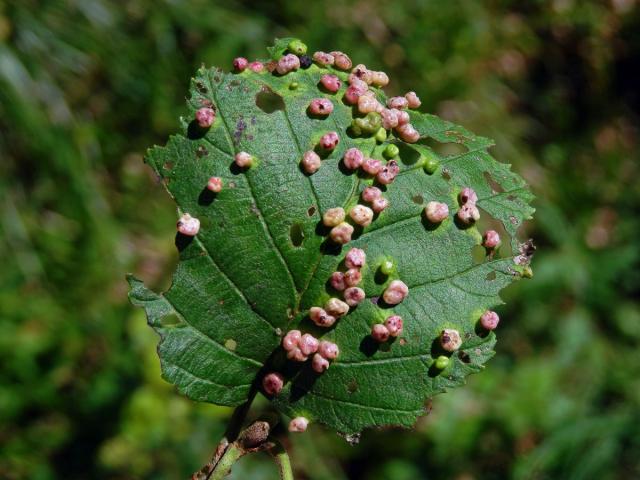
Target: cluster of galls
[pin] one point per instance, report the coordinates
(377, 119)
(384, 174)
(394, 294)
(300, 346)
(346, 282)
(468, 214)
(393, 116)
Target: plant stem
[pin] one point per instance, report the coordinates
(282, 459)
(231, 456)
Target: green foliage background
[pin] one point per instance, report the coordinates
(86, 86)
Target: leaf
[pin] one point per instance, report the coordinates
(261, 258)
(279, 48)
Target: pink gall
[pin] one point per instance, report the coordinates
(353, 296)
(240, 64)
(353, 158)
(329, 141)
(337, 281)
(468, 214)
(256, 67)
(403, 117)
(244, 159)
(395, 293)
(352, 277)
(328, 350)
(361, 215)
(272, 383)
(323, 59)
(341, 233)
(394, 325)
(436, 212)
(468, 195)
(413, 101)
(308, 344)
(450, 340)
(319, 364)
(336, 307)
(379, 204)
(408, 133)
(214, 184)
(369, 194)
(321, 318)
(291, 339)
(331, 83)
(288, 63)
(355, 258)
(388, 173)
(296, 355)
(205, 117)
(188, 225)
(371, 166)
(333, 217)
(489, 320)
(380, 333)
(321, 107)
(298, 425)
(311, 162)
(389, 118)
(341, 60)
(397, 102)
(491, 239)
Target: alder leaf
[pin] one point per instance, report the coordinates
(262, 258)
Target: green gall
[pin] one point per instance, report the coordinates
(442, 362)
(294, 86)
(391, 151)
(381, 135)
(298, 47)
(387, 267)
(367, 125)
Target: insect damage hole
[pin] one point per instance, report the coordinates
(296, 234)
(269, 101)
(495, 186)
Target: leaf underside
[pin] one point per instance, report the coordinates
(261, 258)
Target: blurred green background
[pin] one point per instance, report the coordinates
(87, 85)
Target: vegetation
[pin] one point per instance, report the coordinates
(85, 88)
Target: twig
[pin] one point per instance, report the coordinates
(281, 457)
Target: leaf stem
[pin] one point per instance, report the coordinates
(281, 457)
(231, 456)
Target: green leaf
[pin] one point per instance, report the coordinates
(261, 258)
(279, 47)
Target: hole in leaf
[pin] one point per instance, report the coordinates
(201, 87)
(408, 156)
(491, 276)
(202, 151)
(495, 186)
(171, 320)
(464, 356)
(269, 101)
(296, 234)
(478, 253)
(419, 199)
(230, 344)
(311, 211)
(446, 149)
